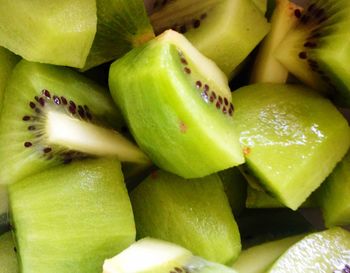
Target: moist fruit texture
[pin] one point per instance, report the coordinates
(225, 31)
(121, 25)
(156, 256)
(49, 114)
(316, 51)
(261, 4)
(292, 138)
(326, 251)
(3, 209)
(69, 218)
(192, 213)
(178, 107)
(333, 196)
(8, 259)
(55, 32)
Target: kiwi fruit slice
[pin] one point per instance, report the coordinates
(121, 25)
(225, 31)
(285, 132)
(326, 251)
(316, 50)
(156, 256)
(70, 218)
(55, 32)
(192, 213)
(182, 117)
(8, 258)
(266, 67)
(258, 259)
(333, 195)
(52, 115)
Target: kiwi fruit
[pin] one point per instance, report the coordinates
(54, 32)
(4, 226)
(8, 258)
(326, 251)
(261, 4)
(225, 31)
(157, 256)
(316, 49)
(70, 218)
(121, 25)
(286, 131)
(52, 115)
(178, 107)
(266, 67)
(192, 213)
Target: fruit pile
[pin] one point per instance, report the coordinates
(180, 136)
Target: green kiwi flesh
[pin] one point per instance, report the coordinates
(121, 25)
(326, 251)
(178, 106)
(333, 195)
(258, 259)
(8, 258)
(261, 4)
(3, 209)
(286, 131)
(266, 67)
(225, 31)
(52, 115)
(192, 213)
(70, 218)
(316, 50)
(55, 32)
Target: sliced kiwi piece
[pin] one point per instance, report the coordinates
(326, 251)
(55, 32)
(333, 195)
(225, 31)
(192, 213)
(286, 131)
(156, 256)
(52, 115)
(178, 106)
(266, 67)
(316, 50)
(121, 25)
(70, 218)
(258, 259)
(8, 258)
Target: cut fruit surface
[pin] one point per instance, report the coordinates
(292, 136)
(261, 4)
(70, 218)
(192, 213)
(55, 32)
(178, 107)
(8, 258)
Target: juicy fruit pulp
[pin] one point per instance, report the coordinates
(55, 32)
(287, 132)
(70, 223)
(182, 117)
(8, 259)
(192, 213)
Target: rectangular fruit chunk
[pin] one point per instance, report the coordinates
(292, 137)
(192, 213)
(70, 218)
(55, 32)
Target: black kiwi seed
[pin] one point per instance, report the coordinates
(26, 118)
(31, 128)
(183, 29)
(177, 269)
(297, 13)
(187, 70)
(28, 144)
(198, 84)
(206, 87)
(56, 100)
(46, 93)
(184, 61)
(32, 105)
(47, 150)
(196, 23)
(303, 55)
(220, 99)
(64, 100)
(310, 44)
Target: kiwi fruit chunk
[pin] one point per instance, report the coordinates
(156, 256)
(8, 258)
(326, 251)
(121, 26)
(258, 259)
(225, 31)
(316, 50)
(266, 67)
(285, 132)
(192, 213)
(52, 115)
(333, 196)
(54, 32)
(177, 104)
(70, 218)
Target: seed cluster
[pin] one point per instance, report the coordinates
(179, 270)
(209, 96)
(186, 26)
